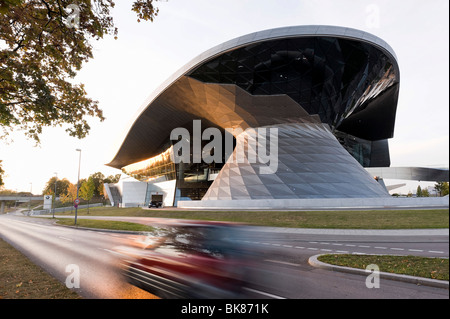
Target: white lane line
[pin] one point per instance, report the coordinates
(108, 250)
(68, 239)
(264, 293)
(325, 250)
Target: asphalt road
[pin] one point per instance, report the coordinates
(284, 271)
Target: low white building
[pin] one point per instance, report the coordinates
(130, 192)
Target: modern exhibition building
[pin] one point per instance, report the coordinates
(273, 117)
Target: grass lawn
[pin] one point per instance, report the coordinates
(375, 219)
(432, 268)
(21, 279)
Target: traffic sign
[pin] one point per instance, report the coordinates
(76, 202)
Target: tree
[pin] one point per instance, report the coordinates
(98, 183)
(419, 191)
(61, 186)
(112, 179)
(441, 188)
(70, 194)
(1, 175)
(87, 190)
(43, 44)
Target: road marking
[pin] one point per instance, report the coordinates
(264, 293)
(68, 239)
(334, 244)
(108, 250)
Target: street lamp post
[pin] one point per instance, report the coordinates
(54, 198)
(78, 184)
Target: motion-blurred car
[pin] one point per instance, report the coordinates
(191, 260)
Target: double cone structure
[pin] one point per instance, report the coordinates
(329, 93)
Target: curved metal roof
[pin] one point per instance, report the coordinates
(135, 146)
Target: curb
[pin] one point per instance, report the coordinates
(313, 261)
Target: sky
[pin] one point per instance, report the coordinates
(124, 72)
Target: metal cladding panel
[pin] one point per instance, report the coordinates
(305, 173)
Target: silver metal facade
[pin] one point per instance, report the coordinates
(311, 164)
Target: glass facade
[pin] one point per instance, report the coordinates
(330, 77)
(359, 148)
(157, 168)
(192, 179)
(327, 76)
